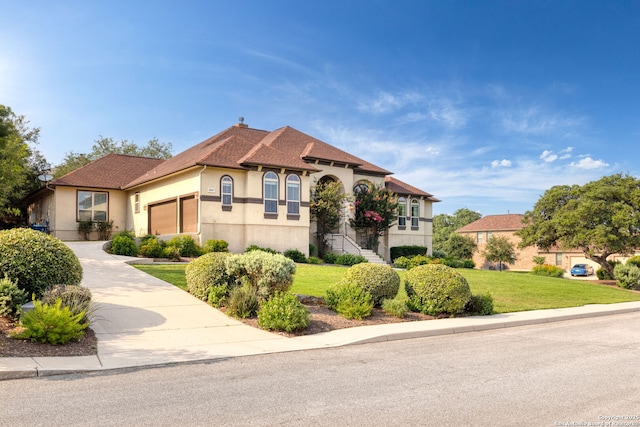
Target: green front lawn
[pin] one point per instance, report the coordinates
(511, 291)
(172, 273)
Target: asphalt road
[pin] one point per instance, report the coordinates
(581, 372)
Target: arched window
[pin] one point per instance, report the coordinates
(402, 212)
(226, 186)
(363, 186)
(415, 213)
(293, 195)
(270, 193)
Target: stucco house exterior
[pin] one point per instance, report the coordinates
(506, 225)
(246, 186)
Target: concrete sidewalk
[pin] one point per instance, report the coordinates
(143, 321)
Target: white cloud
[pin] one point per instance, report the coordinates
(386, 102)
(589, 163)
(548, 156)
(501, 163)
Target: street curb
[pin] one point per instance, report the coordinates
(27, 367)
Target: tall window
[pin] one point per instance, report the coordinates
(293, 195)
(559, 258)
(489, 235)
(415, 213)
(402, 212)
(270, 193)
(227, 191)
(136, 202)
(93, 206)
(479, 236)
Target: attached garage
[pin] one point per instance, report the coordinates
(163, 217)
(189, 214)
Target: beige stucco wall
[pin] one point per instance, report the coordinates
(173, 187)
(246, 224)
(63, 214)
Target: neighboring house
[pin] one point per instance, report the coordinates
(506, 225)
(243, 185)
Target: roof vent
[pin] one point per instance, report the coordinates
(241, 123)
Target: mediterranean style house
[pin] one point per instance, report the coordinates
(243, 185)
(506, 225)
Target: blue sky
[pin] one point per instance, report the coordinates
(485, 104)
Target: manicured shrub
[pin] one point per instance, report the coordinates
(349, 301)
(11, 297)
(243, 301)
(35, 260)
(394, 307)
(215, 245)
(481, 305)
(76, 298)
(218, 294)
(258, 248)
(124, 244)
(452, 262)
(380, 281)
(407, 251)
(627, 276)
(634, 260)
(295, 255)
(439, 254)
(314, 260)
(283, 312)
(402, 262)
(151, 247)
(547, 270)
(435, 288)
(207, 271)
(52, 323)
(85, 228)
(330, 258)
(186, 246)
(350, 259)
(419, 260)
(468, 263)
(172, 253)
(266, 272)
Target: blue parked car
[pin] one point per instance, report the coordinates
(582, 270)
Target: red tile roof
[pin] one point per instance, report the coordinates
(403, 188)
(241, 147)
(238, 147)
(509, 222)
(112, 171)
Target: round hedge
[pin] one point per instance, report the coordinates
(37, 260)
(435, 288)
(380, 281)
(206, 271)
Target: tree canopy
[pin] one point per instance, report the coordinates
(445, 225)
(20, 163)
(326, 209)
(103, 146)
(501, 250)
(600, 218)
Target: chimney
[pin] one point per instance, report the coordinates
(241, 123)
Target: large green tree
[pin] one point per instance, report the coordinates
(20, 163)
(375, 211)
(459, 246)
(326, 206)
(501, 250)
(600, 218)
(444, 225)
(103, 146)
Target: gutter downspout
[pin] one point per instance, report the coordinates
(198, 231)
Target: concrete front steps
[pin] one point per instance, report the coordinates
(372, 257)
